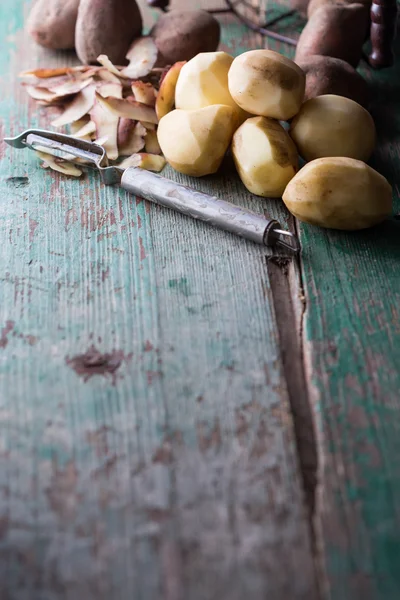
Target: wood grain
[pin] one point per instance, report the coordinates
(350, 332)
(147, 447)
(352, 347)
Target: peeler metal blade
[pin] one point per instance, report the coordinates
(69, 148)
(162, 191)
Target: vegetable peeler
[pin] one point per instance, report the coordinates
(160, 190)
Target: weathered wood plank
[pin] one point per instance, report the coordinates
(352, 357)
(352, 346)
(147, 448)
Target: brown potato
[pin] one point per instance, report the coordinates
(181, 34)
(106, 27)
(313, 5)
(339, 193)
(333, 126)
(327, 75)
(337, 31)
(51, 23)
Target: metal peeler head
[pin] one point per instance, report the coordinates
(69, 148)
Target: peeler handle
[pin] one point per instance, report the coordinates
(198, 205)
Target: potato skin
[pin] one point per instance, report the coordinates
(265, 83)
(314, 5)
(106, 27)
(265, 156)
(51, 23)
(331, 125)
(339, 193)
(337, 30)
(327, 75)
(181, 34)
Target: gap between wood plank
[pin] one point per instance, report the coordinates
(285, 278)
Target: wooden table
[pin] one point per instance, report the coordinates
(161, 383)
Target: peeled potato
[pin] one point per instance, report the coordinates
(339, 193)
(265, 156)
(263, 82)
(203, 81)
(333, 126)
(194, 141)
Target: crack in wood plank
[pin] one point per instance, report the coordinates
(287, 292)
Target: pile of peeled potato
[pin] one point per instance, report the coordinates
(254, 105)
(259, 106)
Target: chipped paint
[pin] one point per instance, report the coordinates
(9, 326)
(95, 363)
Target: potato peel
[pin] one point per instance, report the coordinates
(149, 162)
(81, 104)
(59, 164)
(47, 73)
(105, 75)
(128, 108)
(106, 62)
(144, 92)
(166, 96)
(99, 106)
(77, 125)
(72, 86)
(152, 146)
(130, 137)
(106, 122)
(148, 126)
(86, 131)
(41, 93)
(142, 56)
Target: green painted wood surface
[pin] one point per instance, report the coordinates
(165, 466)
(169, 470)
(352, 345)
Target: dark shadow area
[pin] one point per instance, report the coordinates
(381, 241)
(385, 95)
(295, 377)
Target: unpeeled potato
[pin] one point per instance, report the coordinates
(339, 193)
(327, 75)
(265, 156)
(337, 30)
(331, 125)
(106, 27)
(263, 82)
(194, 142)
(181, 34)
(52, 23)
